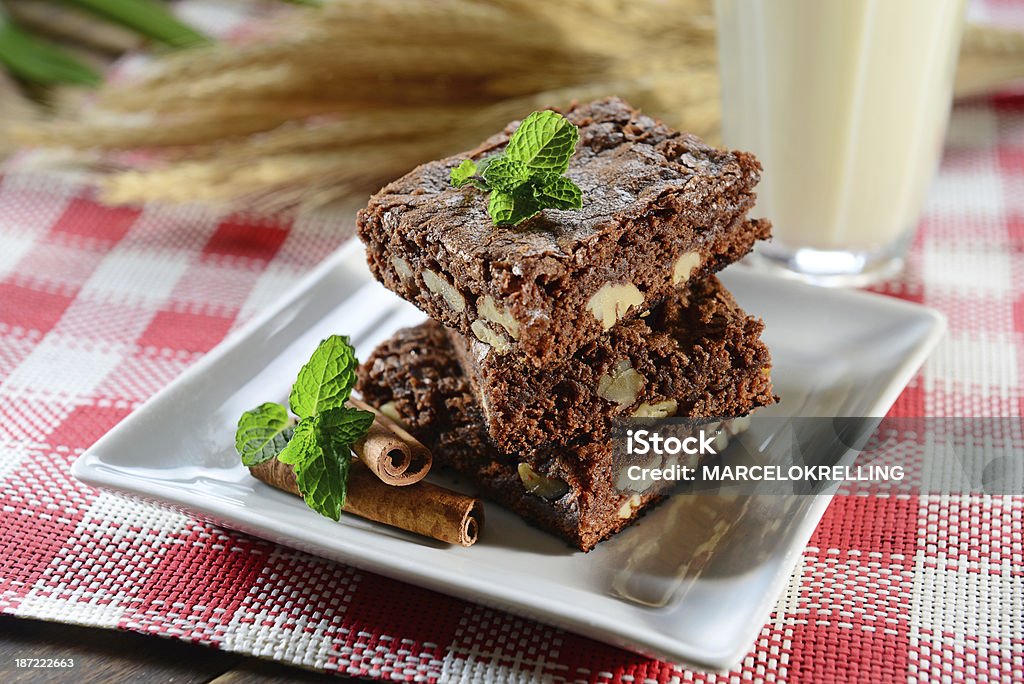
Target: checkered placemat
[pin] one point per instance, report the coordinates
(101, 307)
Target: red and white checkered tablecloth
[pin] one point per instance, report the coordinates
(101, 307)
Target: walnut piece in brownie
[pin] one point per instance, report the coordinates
(660, 207)
(696, 355)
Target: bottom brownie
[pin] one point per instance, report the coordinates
(416, 378)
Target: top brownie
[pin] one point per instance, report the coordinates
(659, 207)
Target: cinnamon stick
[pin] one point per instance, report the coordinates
(423, 508)
(390, 452)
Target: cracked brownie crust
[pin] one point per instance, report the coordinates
(659, 208)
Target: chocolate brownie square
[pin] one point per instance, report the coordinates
(415, 377)
(660, 208)
(695, 355)
(570, 491)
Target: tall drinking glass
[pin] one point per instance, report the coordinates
(845, 102)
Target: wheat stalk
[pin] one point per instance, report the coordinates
(339, 100)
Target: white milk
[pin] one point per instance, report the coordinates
(845, 103)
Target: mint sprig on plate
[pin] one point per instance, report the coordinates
(318, 446)
(528, 176)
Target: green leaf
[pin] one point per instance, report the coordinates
(326, 381)
(39, 61)
(505, 174)
(262, 433)
(527, 177)
(558, 192)
(481, 168)
(512, 208)
(463, 173)
(544, 141)
(319, 447)
(346, 425)
(321, 467)
(301, 443)
(147, 17)
(500, 207)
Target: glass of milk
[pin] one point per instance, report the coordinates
(845, 102)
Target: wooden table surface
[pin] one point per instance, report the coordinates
(102, 655)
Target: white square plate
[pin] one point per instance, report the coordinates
(647, 590)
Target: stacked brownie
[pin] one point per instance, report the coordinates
(545, 333)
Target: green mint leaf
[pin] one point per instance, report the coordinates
(463, 173)
(505, 174)
(321, 467)
(512, 208)
(544, 141)
(527, 177)
(346, 425)
(468, 173)
(558, 192)
(262, 433)
(479, 181)
(500, 207)
(481, 168)
(326, 381)
(301, 443)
